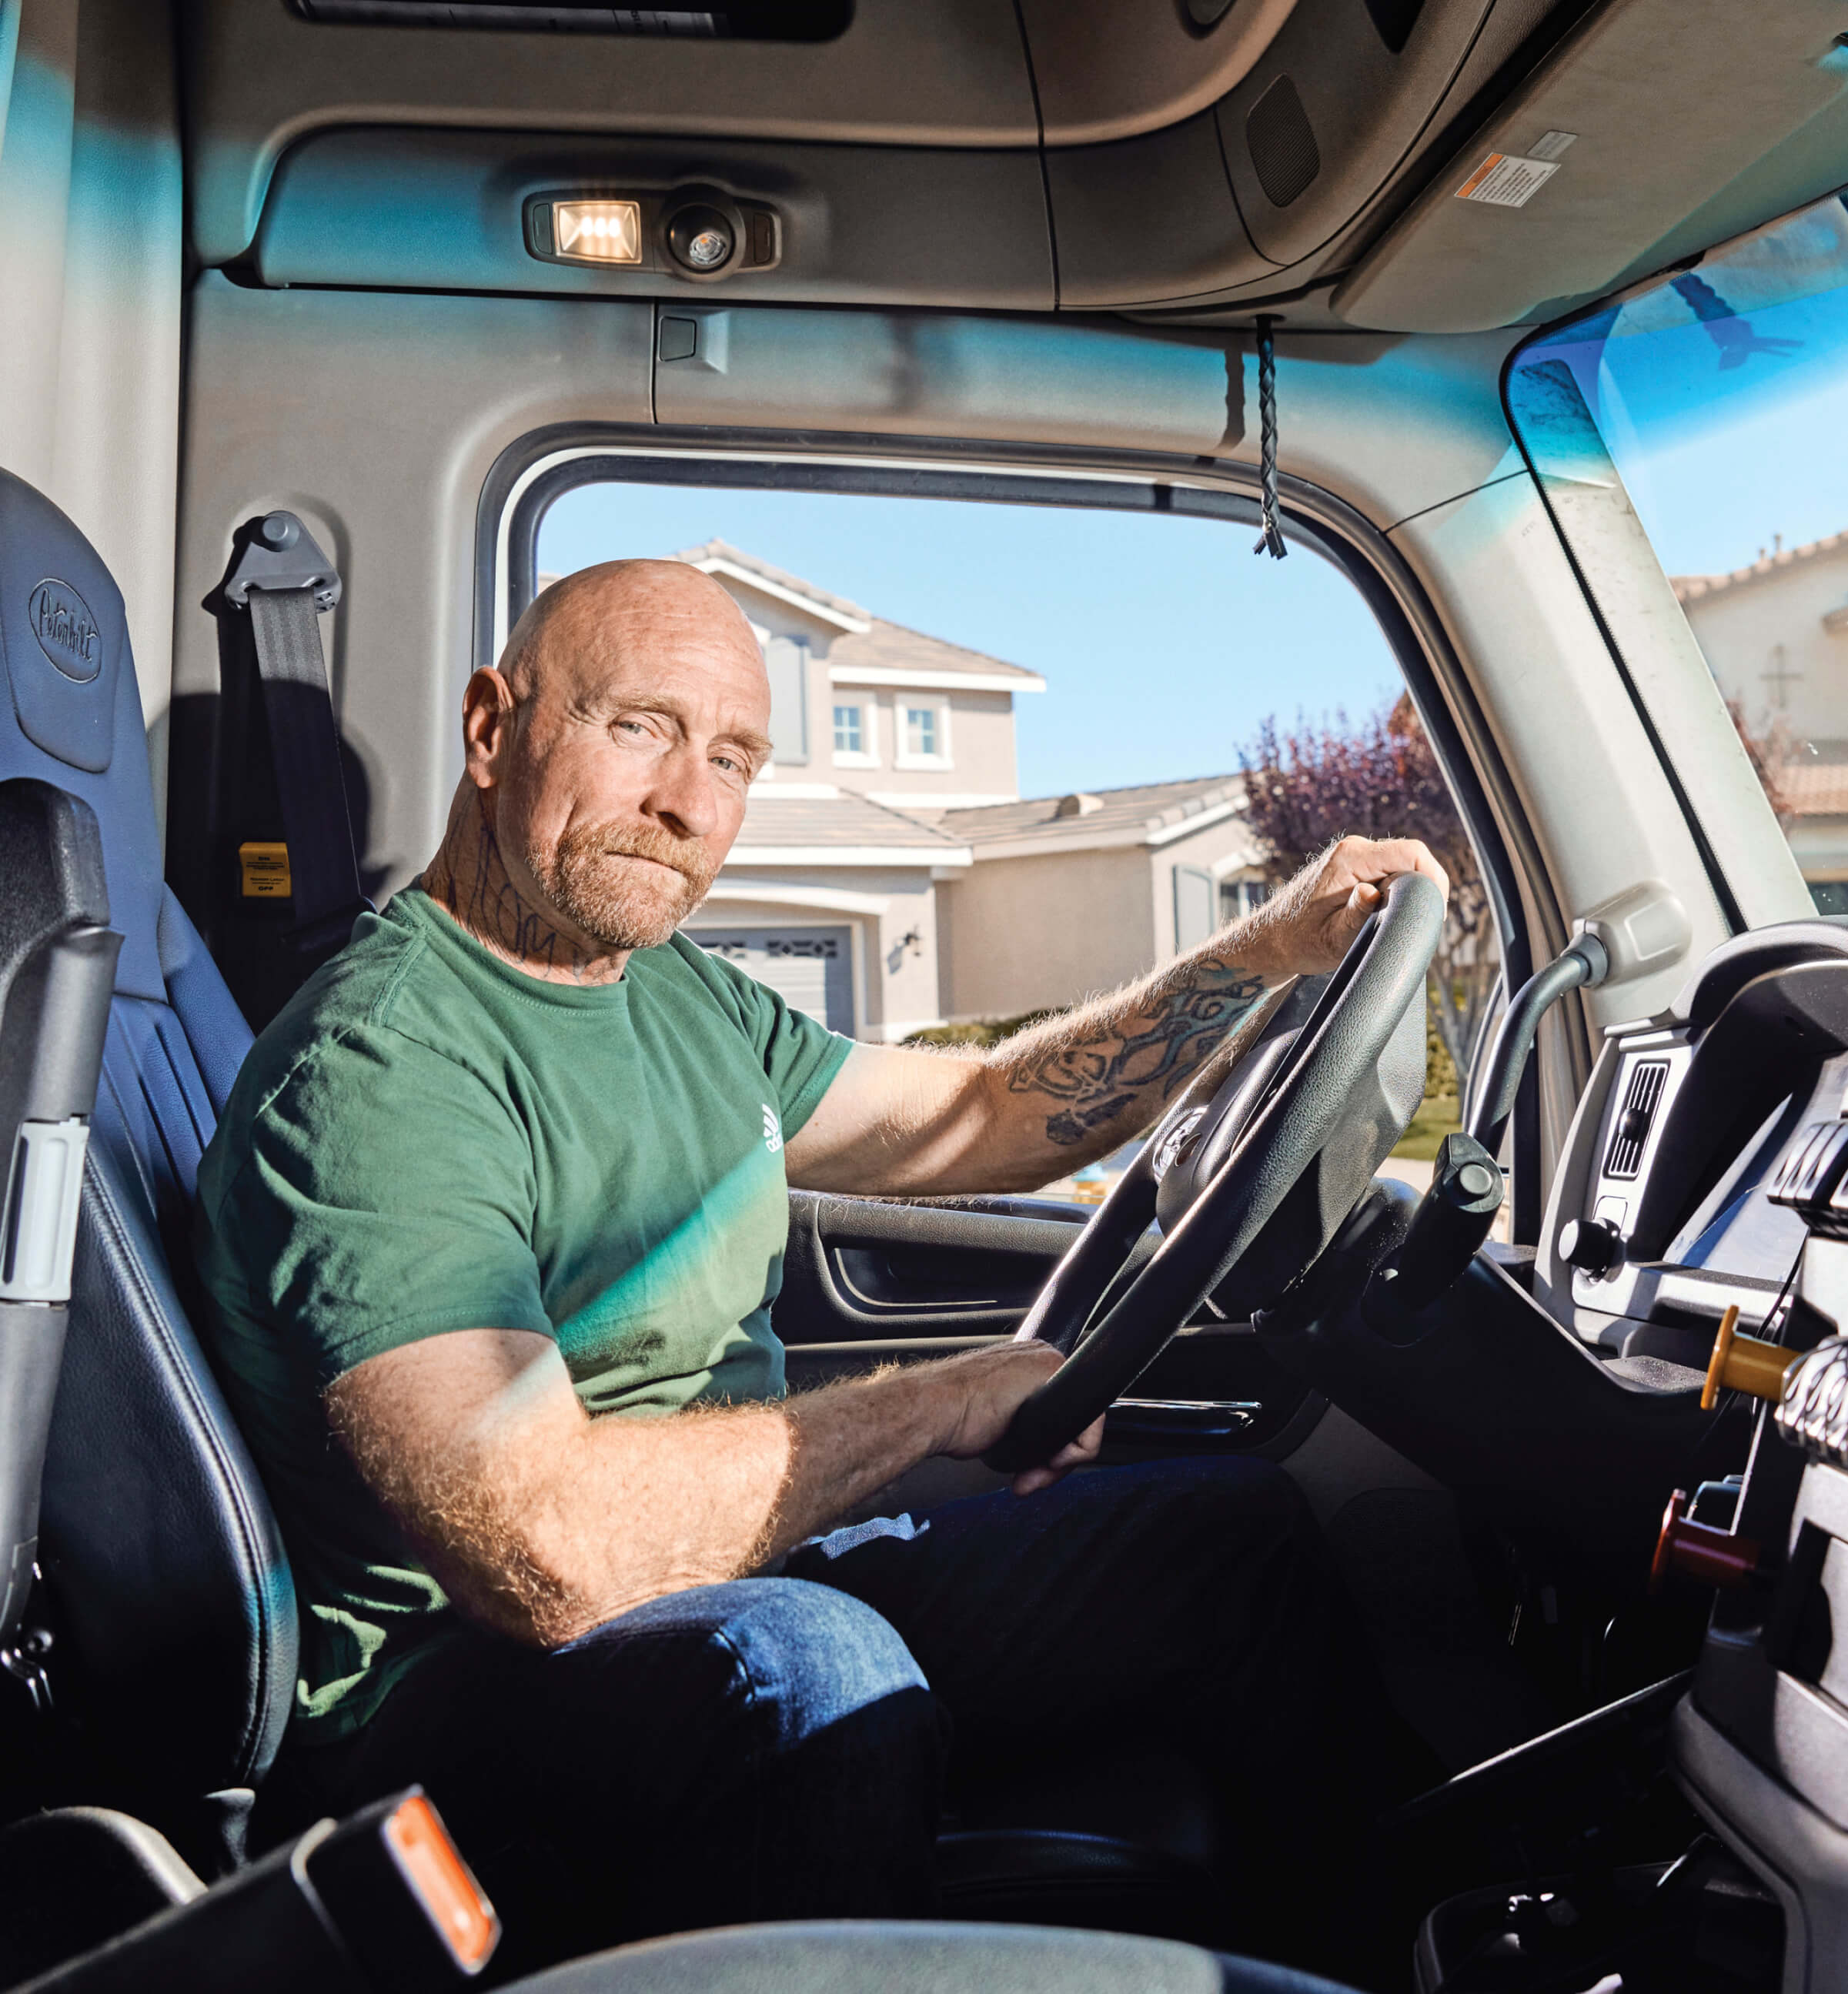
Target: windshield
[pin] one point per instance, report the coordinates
(1712, 410)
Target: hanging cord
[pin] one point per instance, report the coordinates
(1270, 540)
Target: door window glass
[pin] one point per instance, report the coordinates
(1062, 746)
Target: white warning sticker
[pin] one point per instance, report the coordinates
(1552, 144)
(1504, 180)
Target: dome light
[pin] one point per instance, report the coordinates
(598, 231)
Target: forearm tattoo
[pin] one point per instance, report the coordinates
(1096, 1067)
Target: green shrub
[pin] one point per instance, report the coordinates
(1440, 1068)
(980, 1032)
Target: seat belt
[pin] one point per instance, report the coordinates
(281, 579)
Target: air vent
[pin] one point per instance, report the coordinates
(1284, 151)
(742, 20)
(1640, 1100)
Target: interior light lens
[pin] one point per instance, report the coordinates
(599, 231)
(701, 238)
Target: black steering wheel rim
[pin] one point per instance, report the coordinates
(1301, 1108)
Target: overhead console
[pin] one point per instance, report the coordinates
(1397, 165)
(1154, 154)
(936, 76)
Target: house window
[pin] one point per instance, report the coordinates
(847, 737)
(1238, 897)
(921, 730)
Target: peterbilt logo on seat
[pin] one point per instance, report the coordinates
(65, 630)
(1167, 1151)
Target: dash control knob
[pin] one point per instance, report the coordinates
(1593, 1245)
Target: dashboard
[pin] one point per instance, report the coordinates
(1703, 1148)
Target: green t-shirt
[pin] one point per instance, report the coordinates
(427, 1140)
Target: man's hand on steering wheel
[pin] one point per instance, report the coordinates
(976, 1395)
(1319, 1110)
(1307, 926)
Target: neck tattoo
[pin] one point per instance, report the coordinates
(469, 879)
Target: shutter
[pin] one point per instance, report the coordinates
(1196, 907)
(785, 659)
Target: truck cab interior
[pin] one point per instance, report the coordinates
(312, 310)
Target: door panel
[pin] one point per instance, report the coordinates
(867, 1270)
(867, 1281)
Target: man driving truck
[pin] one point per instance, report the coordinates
(493, 1227)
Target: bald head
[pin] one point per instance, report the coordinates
(591, 625)
(611, 751)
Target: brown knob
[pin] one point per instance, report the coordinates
(1699, 1551)
(1744, 1364)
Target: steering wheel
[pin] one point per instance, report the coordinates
(1251, 1174)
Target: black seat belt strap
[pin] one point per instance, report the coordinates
(284, 580)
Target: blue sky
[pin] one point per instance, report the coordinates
(1163, 642)
(1731, 429)
(1713, 497)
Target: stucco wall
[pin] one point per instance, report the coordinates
(1021, 934)
(976, 728)
(1029, 933)
(1739, 628)
(1222, 849)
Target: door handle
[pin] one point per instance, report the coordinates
(1180, 1419)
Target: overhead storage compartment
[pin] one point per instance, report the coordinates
(262, 75)
(1620, 171)
(1111, 69)
(1275, 187)
(947, 73)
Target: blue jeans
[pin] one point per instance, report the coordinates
(774, 1748)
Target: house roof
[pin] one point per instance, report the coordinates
(1150, 808)
(844, 829)
(868, 643)
(891, 647)
(721, 553)
(1813, 789)
(1697, 587)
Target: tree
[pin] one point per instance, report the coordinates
(1381, 780)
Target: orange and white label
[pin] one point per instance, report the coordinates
(1506, 179)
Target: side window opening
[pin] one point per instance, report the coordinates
(1061, 746)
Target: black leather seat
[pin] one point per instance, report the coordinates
(166, 1576)
(172, 1605)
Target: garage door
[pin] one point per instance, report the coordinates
(811, 969)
